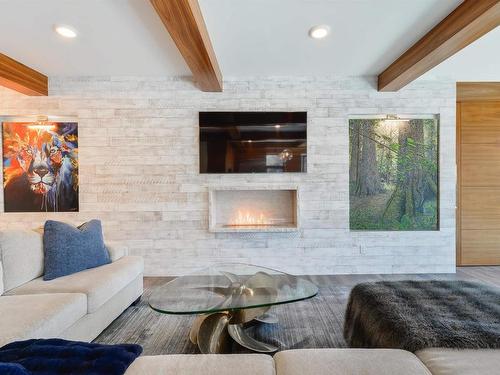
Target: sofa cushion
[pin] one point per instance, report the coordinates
(203, 364)
(70, 249)
(348, 362)
(39, 316)
(116, 251)
(22, 257)
(461, 361)
(99, 284)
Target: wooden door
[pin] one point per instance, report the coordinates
(478, 162)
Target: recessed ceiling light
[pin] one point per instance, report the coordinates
(65, 31)
(319, 31)
(277, 126)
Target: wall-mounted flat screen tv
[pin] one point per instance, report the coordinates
(253, 142)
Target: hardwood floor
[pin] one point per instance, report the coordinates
(487, 275)
(313, 323)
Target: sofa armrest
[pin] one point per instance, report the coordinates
(116, 251)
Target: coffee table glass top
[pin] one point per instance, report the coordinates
(229, 287)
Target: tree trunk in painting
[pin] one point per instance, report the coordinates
(368, 175)
(409, 194)
(355, 151)
(416, 176)
(430, 137)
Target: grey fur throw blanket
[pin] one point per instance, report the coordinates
(414, 315)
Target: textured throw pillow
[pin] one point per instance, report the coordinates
(68, 249)
(12, 369)
(62, 357)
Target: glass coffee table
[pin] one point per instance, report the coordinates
(225, 297)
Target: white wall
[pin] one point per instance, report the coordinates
(139, 172)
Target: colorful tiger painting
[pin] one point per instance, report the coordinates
(40, 167)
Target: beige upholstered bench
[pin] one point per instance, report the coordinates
(203, 364)
(348, 362)
(441, 361)
(325, 362)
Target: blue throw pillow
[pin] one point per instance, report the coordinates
(68, 249)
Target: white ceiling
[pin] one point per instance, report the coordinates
(250, 37)
(116, 37)
(480, 61)
(270, 36)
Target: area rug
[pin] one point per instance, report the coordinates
(414, 315)
(313, 323)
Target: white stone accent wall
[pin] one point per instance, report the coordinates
(138, 152)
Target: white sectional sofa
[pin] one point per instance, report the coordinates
(325, 362)
(75, 307)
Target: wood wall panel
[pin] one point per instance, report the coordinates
(480, 122)
(478, 161)
(478, 91)
(458, 209)
(480, 175)
(480, 208)
(480, 165)
(480, 247)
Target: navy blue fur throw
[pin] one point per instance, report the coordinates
(62, 357)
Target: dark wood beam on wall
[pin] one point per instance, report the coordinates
(184, 22)
(21, 78)
(467, 23)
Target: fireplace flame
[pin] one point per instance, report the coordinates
(250, 218)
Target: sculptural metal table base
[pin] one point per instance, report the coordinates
(213, 332)
(228, 296)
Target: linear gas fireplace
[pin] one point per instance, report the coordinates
(253, 209)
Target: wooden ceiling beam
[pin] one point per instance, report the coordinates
(184, 22)
(21, 78)
(467, 23)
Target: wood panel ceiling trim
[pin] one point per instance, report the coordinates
(184, 22)
(467, 23)
(21, 78)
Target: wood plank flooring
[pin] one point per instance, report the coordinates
(317, 322)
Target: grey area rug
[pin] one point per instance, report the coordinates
(313, 323)
(414, 315)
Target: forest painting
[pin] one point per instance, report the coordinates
(393, 174)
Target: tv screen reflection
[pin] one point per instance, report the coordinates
(253, 142)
